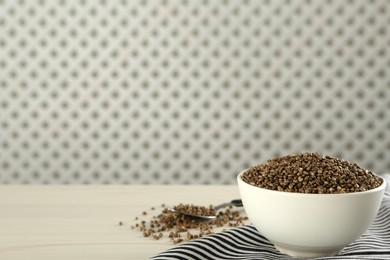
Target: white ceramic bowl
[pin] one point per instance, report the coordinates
(310, 225)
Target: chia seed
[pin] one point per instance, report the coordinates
(311, 173)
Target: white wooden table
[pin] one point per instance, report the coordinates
(82, 222)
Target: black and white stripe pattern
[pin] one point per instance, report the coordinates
(246, 243)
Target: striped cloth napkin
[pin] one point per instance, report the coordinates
(246, 243)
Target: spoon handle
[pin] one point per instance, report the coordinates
(236, 203)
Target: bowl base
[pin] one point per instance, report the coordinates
(307, 251)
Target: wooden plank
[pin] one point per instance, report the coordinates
(82, 222)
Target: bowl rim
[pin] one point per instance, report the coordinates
(360, 193)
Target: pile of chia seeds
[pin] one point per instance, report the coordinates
(311, 173)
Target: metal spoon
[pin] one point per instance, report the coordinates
(236, 203)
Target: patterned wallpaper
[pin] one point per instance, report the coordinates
(187, 91)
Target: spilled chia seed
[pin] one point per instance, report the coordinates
(178, 227)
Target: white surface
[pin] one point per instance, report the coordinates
(81, 222)
(181, 91)
(310, 225)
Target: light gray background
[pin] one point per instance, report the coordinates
(189, 91)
